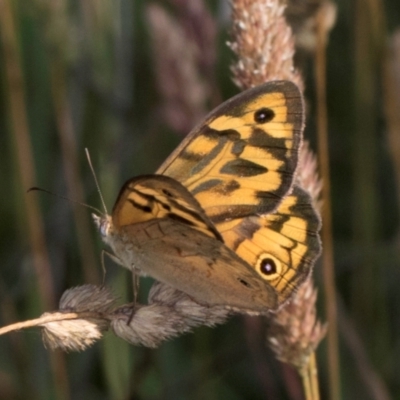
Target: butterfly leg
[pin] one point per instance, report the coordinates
(135, 279)
(113, 257)
(136, 282)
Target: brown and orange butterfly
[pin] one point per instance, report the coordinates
(222, 219)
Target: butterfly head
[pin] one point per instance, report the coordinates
(104, 225)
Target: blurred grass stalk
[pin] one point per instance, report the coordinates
(324, 22)
(391, 91)
(26, 168)
(369, 40)
(70, 163)
(61, 53)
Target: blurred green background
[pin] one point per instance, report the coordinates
(127, 79)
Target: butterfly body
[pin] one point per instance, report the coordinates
(223, 220)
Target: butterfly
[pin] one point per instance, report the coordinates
(223, 219)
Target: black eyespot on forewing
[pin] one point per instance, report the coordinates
(264, 115)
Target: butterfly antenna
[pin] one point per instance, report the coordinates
(96, 181)
(38, 189)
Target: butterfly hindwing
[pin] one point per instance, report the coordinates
(282, 246)
(183, 257)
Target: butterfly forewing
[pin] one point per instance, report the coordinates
(241, 159)
(150, 197)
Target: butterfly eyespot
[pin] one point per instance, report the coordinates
(263, 115)
(268, 266)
